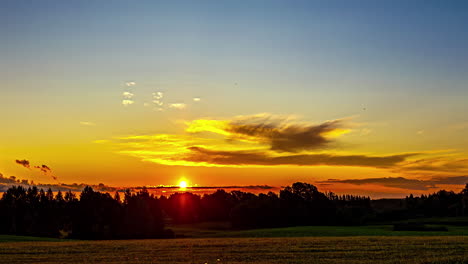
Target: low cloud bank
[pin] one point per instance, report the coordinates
(405, 183)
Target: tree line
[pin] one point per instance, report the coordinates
(97, 215)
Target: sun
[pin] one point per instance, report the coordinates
(183, 184)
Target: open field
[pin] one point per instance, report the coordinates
(211, 230)
(244, 250)
(11, 238)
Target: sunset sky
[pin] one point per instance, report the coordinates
(362, 97)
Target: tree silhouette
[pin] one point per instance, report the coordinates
(97, 215)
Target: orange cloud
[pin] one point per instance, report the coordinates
(279, 132)
(404, 183)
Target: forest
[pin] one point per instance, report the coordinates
(97, 215)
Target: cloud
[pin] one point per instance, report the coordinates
(130, 84)
(196, 99)
(260, 140)
(436, 164)
(273, 140)
(194, 151)
(404, 183)
(24, 163)
(128, 95)
(279, 132)
(85, 123)
(44, 169)
(12, 180)
(250, 187)
(158, 95)
(202, 155)
(157, 98)
(179, 106)
(127, 102)
(7, 182)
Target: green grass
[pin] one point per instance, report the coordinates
(460, 221)
(11, 238)
(349, 250)
(206, 231)
(217, 243)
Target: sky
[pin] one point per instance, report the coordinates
(362, 97)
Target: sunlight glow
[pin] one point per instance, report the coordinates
(183, 184)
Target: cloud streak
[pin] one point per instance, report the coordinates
(178, 106)
(24, 163)
(280, 133)
(273, 140)
(433, 164)
(404, 183)
(128, 95)
(44, 169)
(157, 98)
(127, 102)
(202, 155)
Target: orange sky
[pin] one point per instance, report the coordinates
(368, 100)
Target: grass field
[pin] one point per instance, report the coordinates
(217, 243)
(207, 230)
(9, 238)
(244, 250)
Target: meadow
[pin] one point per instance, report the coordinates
(377, 249)
(220, 230)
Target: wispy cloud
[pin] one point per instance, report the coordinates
(273, 140)
(7, 182)
(252, 149)
(127, 102)
(86, 123)
(179, 106)
(24, 163)
(404, 183)
(202, 155)
(157, 98)
(281, 133)
(130, 83)
(128, 95)
(436, 164)
(196, 99)
(44, 169)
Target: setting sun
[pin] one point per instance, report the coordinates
(183, 184)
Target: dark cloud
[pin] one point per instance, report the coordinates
(11, 180)
(259, 158)
(250, 187)
(46, 170)
(455, 180)
(436, 164)
(43, 168)
(24, 163)
(282, 136)
(404, 183)
(7, 182)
